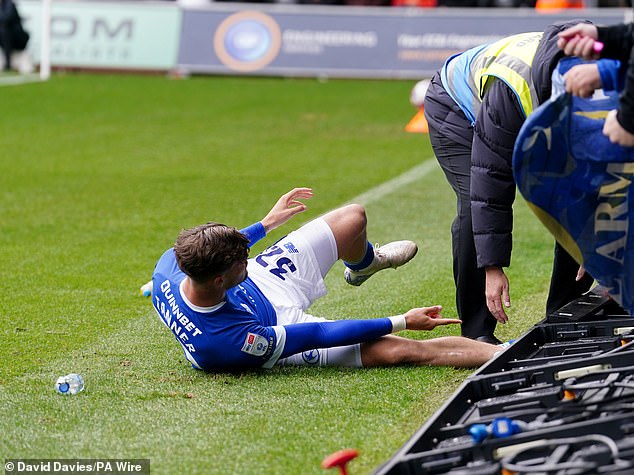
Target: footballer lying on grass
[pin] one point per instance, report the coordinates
(229, 313)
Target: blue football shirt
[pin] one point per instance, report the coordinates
(242, 331)
(238, 333)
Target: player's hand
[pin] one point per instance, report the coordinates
(578, 40)
(427, 318)
(583, 79)
(497, 293)
(580, 273)
(615, 132)
(286, 207)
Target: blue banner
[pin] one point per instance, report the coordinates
(578, 183)
(340, 41)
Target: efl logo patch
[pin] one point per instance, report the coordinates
(290, 247)
(255, 344)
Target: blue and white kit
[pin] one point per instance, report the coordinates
(263, 320)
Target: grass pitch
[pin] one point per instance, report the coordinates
(99, 173)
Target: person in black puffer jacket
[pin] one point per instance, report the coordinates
(475, 107)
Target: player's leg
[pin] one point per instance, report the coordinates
(348, 225)
(453, 351)
(342, 356)
(392, 350)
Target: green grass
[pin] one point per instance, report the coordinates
(99, 173)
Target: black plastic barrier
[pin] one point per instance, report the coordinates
(559, 400)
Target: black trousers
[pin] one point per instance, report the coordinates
(563, 287)
(6, 44)
(451, 135)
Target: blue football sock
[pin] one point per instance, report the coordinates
(363, 263)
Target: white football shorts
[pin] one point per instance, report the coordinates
(291, 275)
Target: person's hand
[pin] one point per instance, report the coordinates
(583, 79)
(427, 318)
(615, 132)
(497, 292)
(579, 29)
(578, 40)
(286, 207)
(580, 273)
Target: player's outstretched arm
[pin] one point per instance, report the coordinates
(286, 207)
(304, 336)
(427, 318)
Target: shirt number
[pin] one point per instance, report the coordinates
(280, 266)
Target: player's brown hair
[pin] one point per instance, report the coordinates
(210, 249)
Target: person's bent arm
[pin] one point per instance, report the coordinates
(307, 336)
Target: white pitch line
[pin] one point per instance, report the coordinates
(14, 80)
(390, 186)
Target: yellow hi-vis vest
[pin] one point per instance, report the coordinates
(467, 76)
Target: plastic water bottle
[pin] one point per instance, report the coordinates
(69, 384)
(146, 290)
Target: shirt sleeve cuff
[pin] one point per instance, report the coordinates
(254, 233)
(280, 335)
(398, 323)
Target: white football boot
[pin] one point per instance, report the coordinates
(393, 254)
